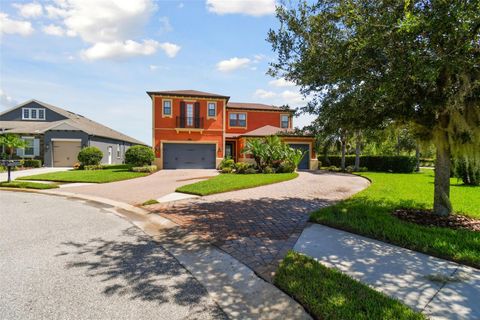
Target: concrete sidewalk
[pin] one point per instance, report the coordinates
(30, 172)
(439, 288)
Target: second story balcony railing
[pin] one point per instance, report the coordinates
(190, 122)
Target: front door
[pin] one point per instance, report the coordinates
(110, 155)
(230, 150)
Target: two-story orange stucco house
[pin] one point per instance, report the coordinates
(193, 129)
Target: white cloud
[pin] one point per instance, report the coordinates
(281, 82)
(291, 97)
(111, 27)
(264, 94)
(29, 10)
(255, 8)
(55, 12)
(6, 101)
(165, 25)
(129, 48)
(11, 26)
(54, 30)
(170, 49)
(181, 5)
(258, 57)
(153, 67)
(232, 64)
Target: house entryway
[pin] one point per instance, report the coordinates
(65, 152)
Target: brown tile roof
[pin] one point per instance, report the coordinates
(73, 119)
(187, 93)
(255, 106)
(266, 131)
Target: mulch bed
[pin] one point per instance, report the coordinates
(428, 218)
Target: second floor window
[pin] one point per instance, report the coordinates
(238, 120)
(284, 121)
(212, 109)
(33, 114)
(167, 107)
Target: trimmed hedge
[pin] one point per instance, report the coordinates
(32, 163)
(89, 156)
(397, 164)
(139, 156)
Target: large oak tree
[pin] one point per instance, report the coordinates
(415, 62)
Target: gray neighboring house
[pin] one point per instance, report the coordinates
(55, 135)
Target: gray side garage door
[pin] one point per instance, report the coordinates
(188, 156)
(305, 163)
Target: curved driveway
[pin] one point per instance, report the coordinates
(62, 259)
(259, 225)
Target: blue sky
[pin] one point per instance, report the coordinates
(98, 57)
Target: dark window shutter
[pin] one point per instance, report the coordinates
(197, 114)
(182, 114)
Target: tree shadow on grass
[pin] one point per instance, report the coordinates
(137, 267)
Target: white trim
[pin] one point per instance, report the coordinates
(215, 109)
(33, 146)
(30, 109)
(164, 115)
(64, 139)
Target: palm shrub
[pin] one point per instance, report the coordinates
(227, 163)
(258, 150)
(11, 142)
(138, 156)
(294, 156)
(90, 156)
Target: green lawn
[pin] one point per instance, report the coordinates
(368, 213)
(329, 294)
(112, 173)
(230, 182)
(27, 185)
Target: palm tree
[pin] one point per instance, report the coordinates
(11, 142)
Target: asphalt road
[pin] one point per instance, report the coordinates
(67, 259)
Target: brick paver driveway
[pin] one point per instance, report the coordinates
(259, 225)
(154, 186)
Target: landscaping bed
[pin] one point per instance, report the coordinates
(27, 185)
(428, 218)
(370, 213)
(108, 174)
(230, 182)
(329, 294)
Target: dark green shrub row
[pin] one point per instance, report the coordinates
(468, 172)
(32, 163)
(398, 164)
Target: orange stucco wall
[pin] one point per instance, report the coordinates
(255, 120)
(164, 126)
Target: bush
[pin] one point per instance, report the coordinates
(148, 169)
(226, 170)
(333, 168)
(470, 174)
(242, 167)
(286, 167)
(396, 164)
(268, 170)
(139, 156)
(90, 156)
(251, 171)
(32, 163)
(362, 169)
(350, 169)
(93, 167)
(227, 163)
